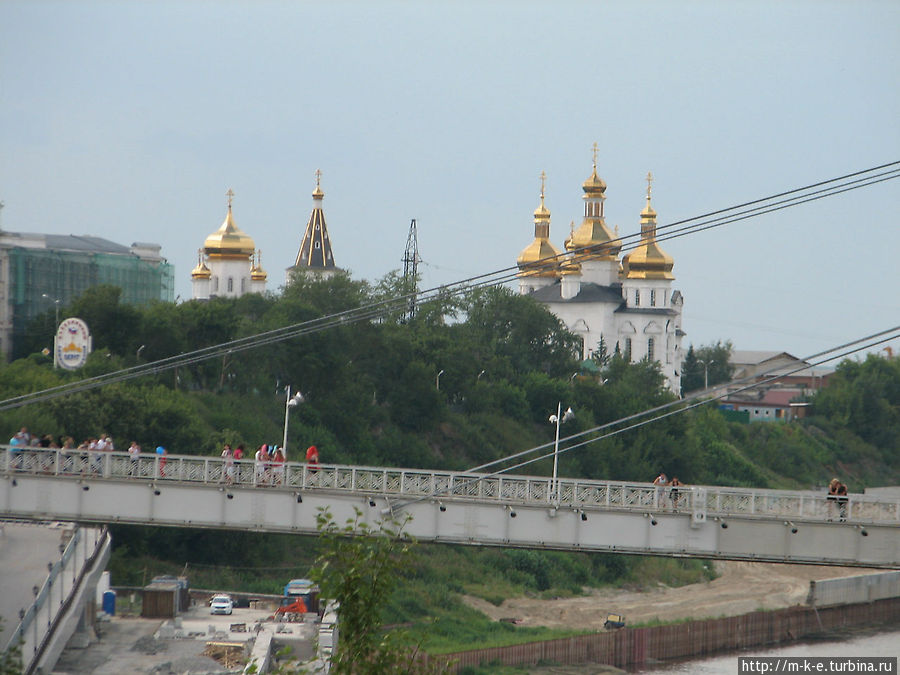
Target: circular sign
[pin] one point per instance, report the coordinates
(73, 344)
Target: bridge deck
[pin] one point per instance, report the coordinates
(457, 507)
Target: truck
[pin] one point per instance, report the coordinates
(302, 589)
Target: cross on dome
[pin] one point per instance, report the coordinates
(543, 184)
(649, 184)
(230, 196)
(596, 149)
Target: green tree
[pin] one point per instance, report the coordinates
(710, 363)
(359, 567)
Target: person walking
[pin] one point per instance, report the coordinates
(261, 458)
(312, 457)
(837, 492)
(227, 464)
(238, 456)
(674, 484)
(161, 455)
(134, 452)
(660, 482)
(278, 467)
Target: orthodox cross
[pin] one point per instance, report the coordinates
(543, 182)
(595, 154)
(318, 176)
(230, 195)
(649, 184)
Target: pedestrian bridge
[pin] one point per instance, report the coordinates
(451, 507)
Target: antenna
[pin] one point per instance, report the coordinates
(411, 262)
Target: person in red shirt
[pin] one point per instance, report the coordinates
(312, 457)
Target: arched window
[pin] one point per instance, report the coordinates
(215, 284)
(230, 284)
(650, 349)
(628, 349)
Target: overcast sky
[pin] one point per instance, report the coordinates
(130, 120)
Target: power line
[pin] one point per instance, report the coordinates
(665, 410)
(400, 303)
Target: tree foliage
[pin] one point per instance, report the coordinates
(359, 568)
(707, 366)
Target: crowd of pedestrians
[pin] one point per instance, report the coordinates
(268, 463)
(27, 453)
(85, 457)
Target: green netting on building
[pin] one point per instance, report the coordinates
(65, 275)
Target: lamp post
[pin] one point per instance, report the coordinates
(558, 419)
(706, 365)
(437, 381)
(289, 402)
(55, 302)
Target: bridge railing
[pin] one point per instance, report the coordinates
(52, 597)
(413, 484)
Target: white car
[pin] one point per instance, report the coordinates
(221, 604)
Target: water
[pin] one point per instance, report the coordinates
(862, 644)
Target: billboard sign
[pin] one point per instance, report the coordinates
(72, 345)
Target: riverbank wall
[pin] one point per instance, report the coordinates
(629, 647)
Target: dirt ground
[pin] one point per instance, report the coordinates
(741, 587)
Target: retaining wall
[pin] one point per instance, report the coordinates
(849, 590)
(634, 646)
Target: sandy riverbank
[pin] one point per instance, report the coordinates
(741, 587)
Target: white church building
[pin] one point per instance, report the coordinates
(228, 265)
(628, 303)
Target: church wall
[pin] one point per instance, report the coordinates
(223, 270)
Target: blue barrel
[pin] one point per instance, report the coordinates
(109, 602)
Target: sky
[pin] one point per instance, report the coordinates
(130, 121)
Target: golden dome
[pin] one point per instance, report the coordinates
(318, 193)
(229, 240)
(540, 257)
(257, 273)
(648, 260)
(594, 184)
(201, 271)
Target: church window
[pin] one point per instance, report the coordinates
(318, 245)
(215, 284)
(230, 284)
(650, 349)
(637, 297)
(653, 297)
(243, 285)
(628, 349)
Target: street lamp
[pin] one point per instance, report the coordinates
(437, 381)
(557, 420)
(55, 302)
(290, 402)
(706, 365)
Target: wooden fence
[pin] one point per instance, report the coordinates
(635, 646)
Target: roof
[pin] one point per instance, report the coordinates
(66, 242)
(755, 357)
(773, 398)
(589, 292)
(664, 311)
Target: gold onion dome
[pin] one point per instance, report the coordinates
(257, 273)
(229, 240)
(594, 184)
(540, 257)
(201, 271)
(648, 260)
